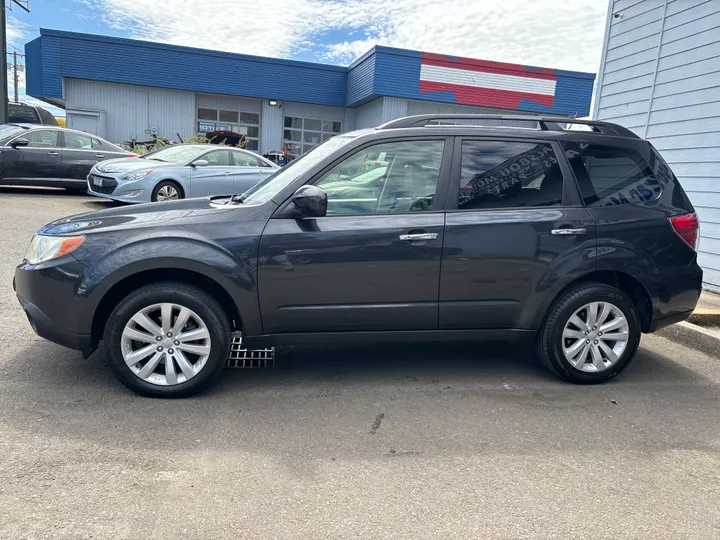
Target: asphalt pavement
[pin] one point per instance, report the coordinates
(449, 442)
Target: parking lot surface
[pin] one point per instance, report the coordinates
(461, 441)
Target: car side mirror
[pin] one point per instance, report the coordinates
(200, 163)
(309, 202)
(20, 142)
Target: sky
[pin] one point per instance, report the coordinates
(563, 34)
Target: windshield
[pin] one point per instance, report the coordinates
(176, 154)
(8, 131)
(272, 185)
(22, 114)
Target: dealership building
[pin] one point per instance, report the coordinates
(125, 90)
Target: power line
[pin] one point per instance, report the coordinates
(7, 4)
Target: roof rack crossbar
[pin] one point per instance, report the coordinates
(546, 123)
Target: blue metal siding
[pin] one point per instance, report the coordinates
(34, 70)
(143, 63)
(360, 81)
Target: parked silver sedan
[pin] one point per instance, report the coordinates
(179, 172)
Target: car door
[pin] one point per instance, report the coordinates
(79, 156)
(248, 170)
(215, 178)
(38, 162)
(514, 225)
(373, 262)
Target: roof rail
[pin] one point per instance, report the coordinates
(546, 123)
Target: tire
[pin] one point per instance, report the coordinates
(76, 190)
(207, 317)
(551, 343)
(157, 194)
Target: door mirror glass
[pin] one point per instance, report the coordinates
(309, 201)
(200, 163)
(20, 142)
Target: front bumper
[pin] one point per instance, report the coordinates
(46, 328)
(54, 298)
(116, 190)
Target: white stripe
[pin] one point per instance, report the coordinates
(481, 79)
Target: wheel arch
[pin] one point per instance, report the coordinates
(630, 285)
(133, 281)
(175, 181)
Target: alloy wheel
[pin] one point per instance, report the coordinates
(595, 337)
(167, 193)
(165, 344)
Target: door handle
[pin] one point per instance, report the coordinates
(418, 236)
(99, 156)
(53, 154)
(568, 232)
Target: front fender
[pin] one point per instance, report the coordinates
(236, 276)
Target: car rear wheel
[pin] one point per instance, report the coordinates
(167, 340)
(590, 335)
(167, 190)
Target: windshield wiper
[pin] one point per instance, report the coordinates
(237, 199)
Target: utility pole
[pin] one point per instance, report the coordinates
(3, 67)
(15, 75)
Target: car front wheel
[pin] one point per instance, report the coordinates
(590, 334)
(167, 340)
(167, 190)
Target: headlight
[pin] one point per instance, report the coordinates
(44, 248)
(136, 175)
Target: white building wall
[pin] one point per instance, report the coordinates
(660, 77)
(369, 115)
(130, 111)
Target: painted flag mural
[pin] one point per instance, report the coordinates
(487, 84)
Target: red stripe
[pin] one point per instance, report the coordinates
(486, 97)
(486, 66)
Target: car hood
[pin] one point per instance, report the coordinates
(165, 215)
(126, 165)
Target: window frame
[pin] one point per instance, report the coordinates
(441, 189)
(302, 130)
(570, 194)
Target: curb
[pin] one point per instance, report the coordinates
(693, 336)
(706, 317)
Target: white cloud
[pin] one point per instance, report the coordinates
(16, 31)
(547, 33)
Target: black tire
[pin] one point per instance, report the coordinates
(76, 190)
(171, 183)
(550, 341)
(197, 300)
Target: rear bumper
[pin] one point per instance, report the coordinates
(46, 328)
(657, 324)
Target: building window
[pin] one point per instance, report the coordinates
(303, 134)
(245, 123)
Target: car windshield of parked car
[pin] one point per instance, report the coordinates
(274, 184)
(176, 154)
(7, 131)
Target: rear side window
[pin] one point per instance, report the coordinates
(505, 174)
(22, 114)
(610, 176)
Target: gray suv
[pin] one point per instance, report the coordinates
(576, 241)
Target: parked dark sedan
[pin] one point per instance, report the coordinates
(40, 155)
(578, 241)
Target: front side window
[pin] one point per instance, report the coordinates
(42, 138)
(506, 174)
(393, 177)
(218, 158)
(610, 176)
(77, 141)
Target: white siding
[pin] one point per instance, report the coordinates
(170, 111)
(660, 77)
(369, 115)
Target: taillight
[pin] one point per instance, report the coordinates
(687, 227)
(132, 155)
